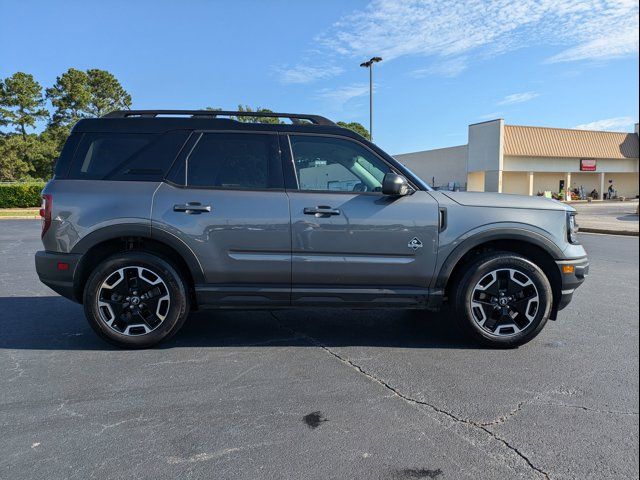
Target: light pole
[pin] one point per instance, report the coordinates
(369, 64)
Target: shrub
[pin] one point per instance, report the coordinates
(20, 195)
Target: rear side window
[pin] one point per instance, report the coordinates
(99, 154)
(235, 161)
(124, 156)
(151, 162)
(66, 156)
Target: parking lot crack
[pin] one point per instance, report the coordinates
(505, 417)
(121, 422)
(589, 409)
(414, 401)
(63, 409)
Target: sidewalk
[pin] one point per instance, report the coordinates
(611, 217)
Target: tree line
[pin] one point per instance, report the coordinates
(25, 106)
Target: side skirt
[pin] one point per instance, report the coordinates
(278, 296)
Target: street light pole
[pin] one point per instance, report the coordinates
(369, 64)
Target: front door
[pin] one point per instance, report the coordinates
(351, 244)
(227, 203)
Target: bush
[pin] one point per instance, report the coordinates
(20, 195)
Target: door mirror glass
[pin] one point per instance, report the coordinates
(394, 184)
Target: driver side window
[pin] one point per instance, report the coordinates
(335, 164)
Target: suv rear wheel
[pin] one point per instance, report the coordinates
(135, 300)
(503, 300)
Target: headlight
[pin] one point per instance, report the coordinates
(572, 227)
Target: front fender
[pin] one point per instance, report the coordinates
(510, 231)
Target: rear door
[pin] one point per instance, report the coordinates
(226, 201)
(350, 243)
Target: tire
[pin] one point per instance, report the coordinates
(502, 300)
(135, 300)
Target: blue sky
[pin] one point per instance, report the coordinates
(562, 63)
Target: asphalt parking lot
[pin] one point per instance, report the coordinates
(318, 394)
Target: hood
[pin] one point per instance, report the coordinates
(503, 200)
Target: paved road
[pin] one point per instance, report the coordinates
(318, 394)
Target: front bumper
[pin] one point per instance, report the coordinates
(573, 273)
(57, 271)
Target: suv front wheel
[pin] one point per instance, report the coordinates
(503, 300)
(135, 300)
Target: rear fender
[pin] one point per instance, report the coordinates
(124, 231)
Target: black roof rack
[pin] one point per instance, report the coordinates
(295, 118)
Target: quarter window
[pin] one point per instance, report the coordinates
(232, 160)
(102, 153)
(335, 164)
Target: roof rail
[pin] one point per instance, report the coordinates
(293, 117)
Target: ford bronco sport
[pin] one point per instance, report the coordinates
(153, 213)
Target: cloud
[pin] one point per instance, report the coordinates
(342, 95)
(614, 124)
(299, 74)
(581, 30)
(518, 98)
(604, 48)
(447, 68)
(606, 30)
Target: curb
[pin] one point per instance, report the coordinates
(605, 231)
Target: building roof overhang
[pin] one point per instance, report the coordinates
(560, 142)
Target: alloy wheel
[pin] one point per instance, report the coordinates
(504, 302)
(133, 300)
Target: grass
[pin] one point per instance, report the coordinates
(19, 213)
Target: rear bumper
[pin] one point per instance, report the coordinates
(573, 274)
(57, 271)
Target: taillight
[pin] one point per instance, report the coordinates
(45, 212)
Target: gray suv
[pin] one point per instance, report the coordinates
(152, 214)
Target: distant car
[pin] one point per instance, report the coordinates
(151, 214)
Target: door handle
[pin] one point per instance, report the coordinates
(192, 208)
(321, 211)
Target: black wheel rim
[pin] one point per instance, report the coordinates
(504, 302)
(133, 301)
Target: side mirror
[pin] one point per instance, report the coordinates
(395, 185)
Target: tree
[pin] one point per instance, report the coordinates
(14, 161)
(356, 127)
(21, 102)
(106, 93)
(27, 158)
(256, 119)
(76, 94)
(70, 97)
(4, 121)
(46, 151)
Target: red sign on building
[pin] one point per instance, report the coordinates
(587, 164)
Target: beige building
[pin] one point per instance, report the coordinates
(527, 160)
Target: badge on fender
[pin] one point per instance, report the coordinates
(415, 243)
